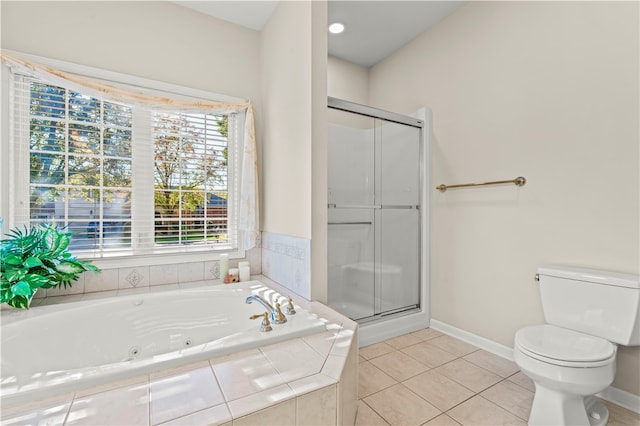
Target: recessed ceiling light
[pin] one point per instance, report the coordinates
(336, 28)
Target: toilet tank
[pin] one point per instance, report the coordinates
(599, 303)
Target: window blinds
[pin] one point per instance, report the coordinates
(124, 179)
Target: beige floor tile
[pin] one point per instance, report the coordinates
(469, 375)
(494, 363)
(619, 416)
(429, 354)
(442, 420)
(427, 334)
(375, 350)
(513, 398)
(453, 345)
(479, 411)
(367, 417)
(522, 380)
(399, 406)
(403, 341)
(372, 380)
(439, 390)
(399, 365)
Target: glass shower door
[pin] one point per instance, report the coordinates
(374, 215)
(398, 217)
(351, 229)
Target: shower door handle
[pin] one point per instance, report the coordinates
(400, 206)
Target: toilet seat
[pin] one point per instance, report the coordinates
(560, 346)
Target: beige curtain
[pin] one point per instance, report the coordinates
(147, 98)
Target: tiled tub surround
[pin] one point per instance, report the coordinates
(127, 280)
(125, 336)
(286, 260)
(308, 380)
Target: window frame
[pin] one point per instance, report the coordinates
(182, 254)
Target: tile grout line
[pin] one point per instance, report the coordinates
(433, 368)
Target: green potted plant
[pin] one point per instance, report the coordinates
(36, 257)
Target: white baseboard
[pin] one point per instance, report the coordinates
(474, 339)
(611, 394)
(621, 398)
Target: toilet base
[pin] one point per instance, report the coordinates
(551, 407)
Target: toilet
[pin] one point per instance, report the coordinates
(573, 356)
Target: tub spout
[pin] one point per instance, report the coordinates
(276, 314)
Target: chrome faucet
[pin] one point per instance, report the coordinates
(277, 317)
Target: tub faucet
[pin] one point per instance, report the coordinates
(277, 317)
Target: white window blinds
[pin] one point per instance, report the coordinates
(124, 179)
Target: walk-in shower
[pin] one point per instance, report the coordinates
(375, 208)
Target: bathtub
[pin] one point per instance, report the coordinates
(53, 349)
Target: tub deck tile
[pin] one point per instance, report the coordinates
(294, 359)
(45, 415)
(183, 393)
(121, 406)
(213, 416)
(311, 383)
(258, 401)
(241, 376)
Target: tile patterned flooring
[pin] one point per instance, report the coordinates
(429, 378)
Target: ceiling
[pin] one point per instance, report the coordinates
(374, 29)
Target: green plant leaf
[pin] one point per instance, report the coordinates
(21, 288)
(31, 262)
(21, 302)
(47, 262)
(69, 268)
(91, 268)
(13, 260)
(15, 274)
(36, 281)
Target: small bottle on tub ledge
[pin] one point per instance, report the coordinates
(233, 276)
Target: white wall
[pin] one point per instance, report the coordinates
(286, 88)
(347, 81)
(293, 78)
(155, 40)
(547, 90)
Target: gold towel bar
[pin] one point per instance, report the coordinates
(519, 181)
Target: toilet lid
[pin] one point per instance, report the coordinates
(564, 345)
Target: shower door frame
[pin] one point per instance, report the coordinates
(364, 110)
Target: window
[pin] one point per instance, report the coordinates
(124, 179)
(80, 165)
(190, 175)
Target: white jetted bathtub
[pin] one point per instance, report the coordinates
(52, 349)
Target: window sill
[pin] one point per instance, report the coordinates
(130, 261)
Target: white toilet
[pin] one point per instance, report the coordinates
(573, 356)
